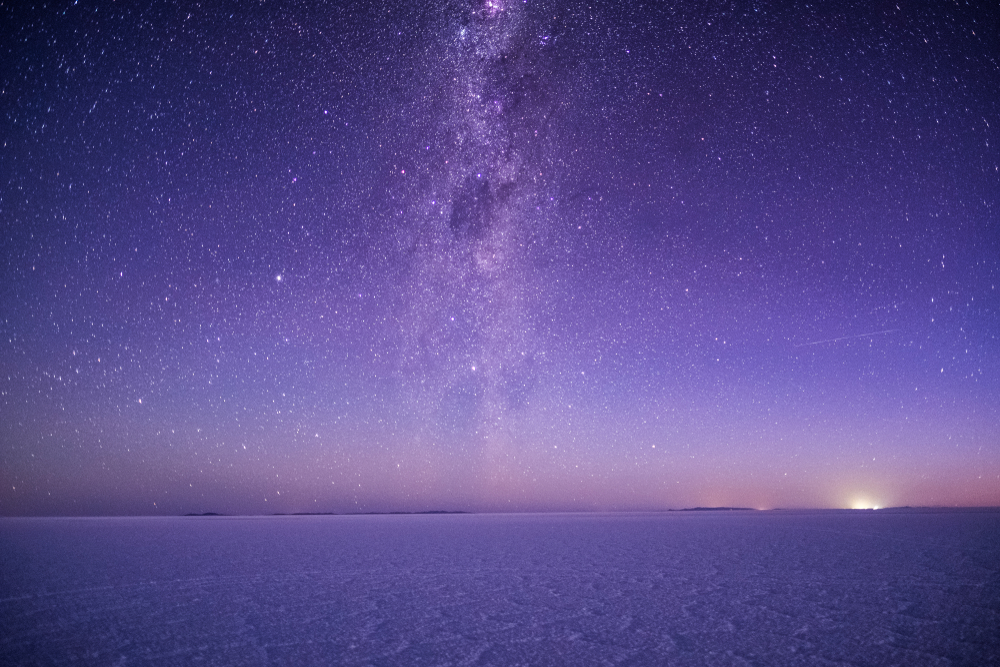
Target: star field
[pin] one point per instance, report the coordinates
(504, 255)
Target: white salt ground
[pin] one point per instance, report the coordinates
(734, 588)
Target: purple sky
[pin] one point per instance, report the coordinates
(291, 257)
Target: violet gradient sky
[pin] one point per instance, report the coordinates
(522, 255)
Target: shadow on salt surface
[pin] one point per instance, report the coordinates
(917, 588)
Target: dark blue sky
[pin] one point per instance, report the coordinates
(277, 256)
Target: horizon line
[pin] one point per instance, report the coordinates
(196, 515)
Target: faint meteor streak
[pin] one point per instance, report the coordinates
(834, 340)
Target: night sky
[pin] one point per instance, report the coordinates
(498, 256)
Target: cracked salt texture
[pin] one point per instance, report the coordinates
(721, 588)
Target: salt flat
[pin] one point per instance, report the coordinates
(917, 587)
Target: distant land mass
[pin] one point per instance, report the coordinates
(336, 513)
(365, 513)
(715, 509)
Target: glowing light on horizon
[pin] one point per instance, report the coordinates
(863, 504)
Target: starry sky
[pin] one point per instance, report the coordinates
(498, 255)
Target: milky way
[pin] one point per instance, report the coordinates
(500, 255)
(472, 355)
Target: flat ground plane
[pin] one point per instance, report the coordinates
(918, 587)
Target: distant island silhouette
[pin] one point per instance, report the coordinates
(715, 509)
(336, 513)
(365, 513)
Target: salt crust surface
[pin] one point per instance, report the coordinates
(693, 588)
